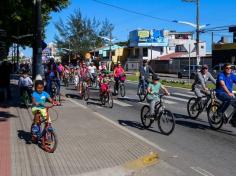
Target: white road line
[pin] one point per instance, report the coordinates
(201, 171)
(185, 95)
(176, 98)
(121, 103)
(165, 102)
(131, 132)
(190, 92)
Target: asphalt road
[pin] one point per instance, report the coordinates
(193, 147)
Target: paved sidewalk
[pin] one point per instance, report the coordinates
(88, 145)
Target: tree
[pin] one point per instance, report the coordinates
(81, 34)
(16, 18)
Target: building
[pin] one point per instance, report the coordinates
(161, 45)
(224, 52)
(51, 51)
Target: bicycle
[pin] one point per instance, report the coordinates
(45, 136)
(121, 86)
(216, 120)
(165, 118)
(142, 91)
(106, 95)
(55, 94)
(85, 91)
(94, 81)
(25, 98)
(196, 107)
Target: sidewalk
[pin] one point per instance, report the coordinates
(88, 145)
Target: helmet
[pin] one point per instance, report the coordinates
(106, 72)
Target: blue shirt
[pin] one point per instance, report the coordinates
(228, 80)
(40, 98)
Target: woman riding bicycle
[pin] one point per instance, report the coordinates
(152, 93)
(119, 75)
(200, 83)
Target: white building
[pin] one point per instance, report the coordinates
(159, 44)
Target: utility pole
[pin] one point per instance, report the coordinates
(197, 33)
(110, 55)
(37, 53)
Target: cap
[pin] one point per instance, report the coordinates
(155, 77)
(204, 66)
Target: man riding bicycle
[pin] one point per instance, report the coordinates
(53, 75)
(119, 75)
(224, 91)
(145, 71)
(200, 83)
(84, 76)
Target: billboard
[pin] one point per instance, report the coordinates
(148, 38)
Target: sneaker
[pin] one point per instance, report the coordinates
(152, 116)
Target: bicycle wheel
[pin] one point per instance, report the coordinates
(86, 94)
(166, 122)
(110, 100)
(214, 119)
(49, 141)
(145, 116)
(193, 108)
(103, 99)
(141, 94)
(122, 90)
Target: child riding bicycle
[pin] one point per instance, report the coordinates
(152, 93)
(104, 79)
(39, 98)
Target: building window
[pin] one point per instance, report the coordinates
(202, 47)
(145, 52)
(136, 53)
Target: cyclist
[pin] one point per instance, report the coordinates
(84, 76)
(224, 91)
(92, 72)
(39, 98)
(25, 83)
(104, 79)
(200, 83)
(53, 75)
(119, 75)
(152, 93)
(102, 67)
(145, 71)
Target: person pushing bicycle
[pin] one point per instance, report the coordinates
(200, 83)
(153, 91)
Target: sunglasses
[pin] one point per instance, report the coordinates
(205, 68)
(227, 68)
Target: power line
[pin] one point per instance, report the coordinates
(135, 12)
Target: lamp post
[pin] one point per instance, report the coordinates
(198, 27)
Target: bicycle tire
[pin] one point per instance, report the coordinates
(214, 120)
(122, 90)
(192, 109)
(141, 94)
(161, 120)
(145, 115)
(86, 94)
(110, 100)
(47, 147)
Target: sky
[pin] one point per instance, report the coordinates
(213, 12)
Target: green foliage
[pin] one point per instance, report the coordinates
(81, 34)
(16, 17)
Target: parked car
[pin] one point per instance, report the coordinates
(185, 71)
(219, 68)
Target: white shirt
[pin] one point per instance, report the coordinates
(92, 69)
(25, 82)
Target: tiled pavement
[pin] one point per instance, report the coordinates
(88, 146)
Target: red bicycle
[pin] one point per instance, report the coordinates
(106, 94)
(44, 136)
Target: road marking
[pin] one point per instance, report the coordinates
(201, 171)
(75, 102)
(130, 132)
(190, 92)
(176, 98)
(165, 102)
(185, 95)
(121, 103)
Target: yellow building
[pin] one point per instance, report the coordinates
(120, 55)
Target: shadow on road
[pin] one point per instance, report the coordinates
(136, 125)
(25, 136)
(197, 125)
(74, 96)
